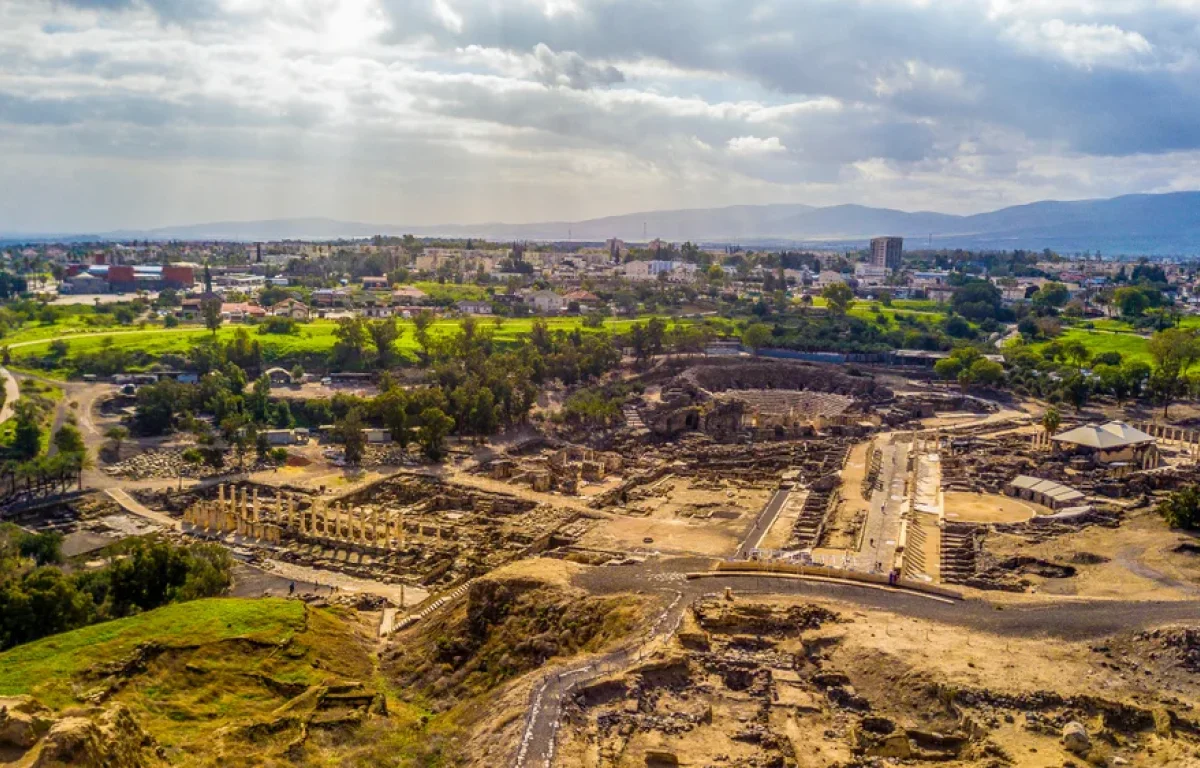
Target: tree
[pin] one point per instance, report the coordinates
(977, 300)
(258, 402)
(27, 436)
(384, 334)
(351, 334)
(117, 434)
(354, 441)
(839, 298)
(987, 372)
(1051, 295)
(1174, 352)
(1051, 421)
(1076, 352)
(68, 439)
(1130, 302)
(1182, 508)
(756, 336)
(435, 425)
(297, 373)
(211, 309)
(207, 279)
(421, 324)
(1077, 389)
(282, 417)
(959, 366)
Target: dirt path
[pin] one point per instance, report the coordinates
(12, 392)
(397, 593)
(133, 506)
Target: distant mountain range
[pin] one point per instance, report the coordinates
(1166, 224)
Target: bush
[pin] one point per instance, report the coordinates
(1182, 508)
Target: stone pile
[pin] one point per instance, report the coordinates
(157, 465)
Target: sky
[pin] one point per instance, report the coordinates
(144, 113)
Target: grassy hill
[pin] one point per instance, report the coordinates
(230, 682)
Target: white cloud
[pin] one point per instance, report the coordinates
(1084, 45)
(450, 18)
(753, 145)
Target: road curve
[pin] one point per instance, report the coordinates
(1069, 620)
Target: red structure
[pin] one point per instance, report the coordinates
(121, 274)
(178, 277)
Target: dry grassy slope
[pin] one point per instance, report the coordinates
(217, 682)
(473, 662)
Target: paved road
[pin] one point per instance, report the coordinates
(540, 736)
(1067, 619)
(762, 524)
(881, 530)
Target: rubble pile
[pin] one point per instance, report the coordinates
(773, 685)
(158, 465)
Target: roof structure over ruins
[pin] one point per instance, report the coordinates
(1114, 434)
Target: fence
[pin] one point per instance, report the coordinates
(822, 571)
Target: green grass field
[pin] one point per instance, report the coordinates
(1130, 346)
(315, 337)
(45, 668)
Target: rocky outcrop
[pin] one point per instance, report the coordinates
(113, 739)
(22, 722)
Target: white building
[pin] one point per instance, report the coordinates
(546, 302)
(869, 274)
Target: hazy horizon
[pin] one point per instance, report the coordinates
(144, 114)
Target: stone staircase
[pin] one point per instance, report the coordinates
(450, 596)
(633, 420)
(958, 553)
(806, 531)
(914, 552)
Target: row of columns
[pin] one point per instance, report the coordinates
(238, 511)
(1187, 439)
(242, 516)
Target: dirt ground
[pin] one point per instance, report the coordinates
(965, 507)
(847, 518)
(777, 681)
(682, 515)
(1141, 560)
(781, 530)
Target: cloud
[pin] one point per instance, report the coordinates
(571, 70)
(1084, 45)
(752, 145)
(442, 107)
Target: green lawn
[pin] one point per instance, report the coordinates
(1130, 346)
(315, 337)
(45, 668)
